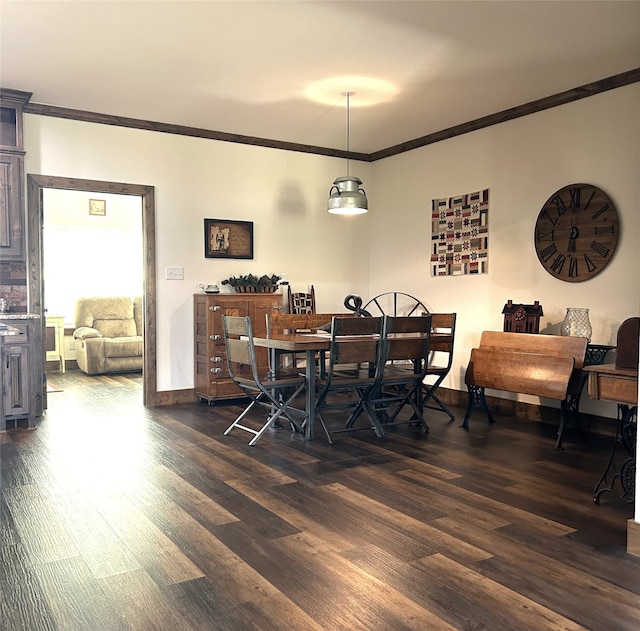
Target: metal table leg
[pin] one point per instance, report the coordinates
(310, 372)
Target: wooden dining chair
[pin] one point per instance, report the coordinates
(356, 355)
(443, 327)
(301, 302)
(407, 342)
(273, 394)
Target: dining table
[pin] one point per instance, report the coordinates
(311, 344)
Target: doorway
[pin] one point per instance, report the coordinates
(35, 202)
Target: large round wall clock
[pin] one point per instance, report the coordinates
(576, 232)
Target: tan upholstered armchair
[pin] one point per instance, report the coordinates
(108, 335)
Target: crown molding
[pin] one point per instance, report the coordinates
(539, 105)
(575, 94)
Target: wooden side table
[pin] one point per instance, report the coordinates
(54, 340)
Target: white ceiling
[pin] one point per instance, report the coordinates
(246, 67)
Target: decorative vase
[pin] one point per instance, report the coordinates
(576, 323)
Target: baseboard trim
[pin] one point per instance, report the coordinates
(173, 397)
(507, 407)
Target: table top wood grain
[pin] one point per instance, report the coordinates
(617, 385)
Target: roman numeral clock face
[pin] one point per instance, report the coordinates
(576, 232)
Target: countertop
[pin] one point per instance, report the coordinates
(5, 329)
(19, 316)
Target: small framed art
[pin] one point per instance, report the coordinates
(225, 239)
(98, 207)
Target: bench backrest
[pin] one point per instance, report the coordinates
(525, 373)
(550, 345)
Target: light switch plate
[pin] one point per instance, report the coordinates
(173, 273)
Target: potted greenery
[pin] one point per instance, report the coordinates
(250, 283)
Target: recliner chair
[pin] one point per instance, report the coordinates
(109, 335)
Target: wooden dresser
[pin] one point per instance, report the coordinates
(212, 381)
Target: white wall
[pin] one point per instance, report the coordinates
(283, 193)
(594, 140)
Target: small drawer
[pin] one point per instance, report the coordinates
(17, 339)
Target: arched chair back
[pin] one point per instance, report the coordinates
(301, 302)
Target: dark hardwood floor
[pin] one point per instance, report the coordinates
(118, 517)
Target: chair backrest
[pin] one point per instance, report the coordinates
(407, 342)
(112, 316)
(627, 343)
(445, 324)
(293, 323)
(407, 339)
(238, 339)
(356, 341)
(301, 302)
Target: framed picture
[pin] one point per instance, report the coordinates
(225, 239)
(98, 207)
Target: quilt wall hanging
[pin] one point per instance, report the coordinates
(460, 234)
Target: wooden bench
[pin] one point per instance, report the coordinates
(525, 363)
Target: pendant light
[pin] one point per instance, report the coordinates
(346, 197)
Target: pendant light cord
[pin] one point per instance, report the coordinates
(348, 95)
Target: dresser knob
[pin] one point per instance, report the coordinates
(215, 360)
(216, 371)
(215, 308)
(214, 338)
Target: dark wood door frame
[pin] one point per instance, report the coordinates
(35, 186)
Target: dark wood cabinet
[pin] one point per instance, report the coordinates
(22, 392)
(12, 215)
(212, 381)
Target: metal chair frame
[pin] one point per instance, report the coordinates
(446, 323)
(355, 342)
(407, 340)
(272, 393)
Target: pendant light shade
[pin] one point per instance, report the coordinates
(346, 196)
